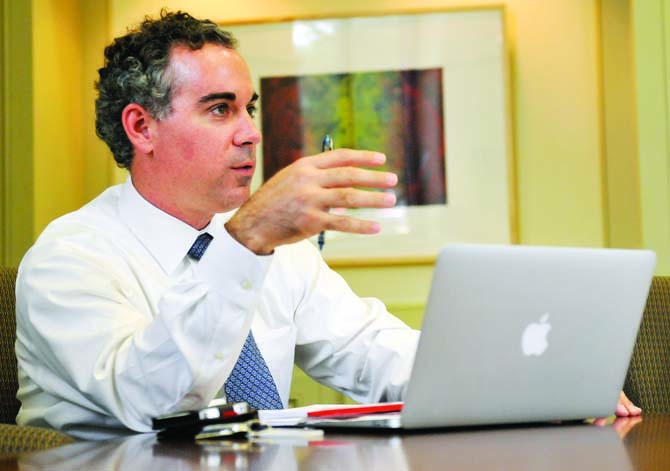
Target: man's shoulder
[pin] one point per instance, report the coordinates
(94, 224)
(96, 215)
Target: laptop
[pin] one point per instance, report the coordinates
(516, 334)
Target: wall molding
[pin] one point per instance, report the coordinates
(3, 160)
(17, 123)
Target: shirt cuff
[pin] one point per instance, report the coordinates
(231, 268)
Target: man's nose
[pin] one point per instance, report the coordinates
(248, 133)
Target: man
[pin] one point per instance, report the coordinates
(116, 324)
(122, 317)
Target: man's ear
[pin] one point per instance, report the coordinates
(136, 121)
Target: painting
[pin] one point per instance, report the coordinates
(398, 113)
(428, 89)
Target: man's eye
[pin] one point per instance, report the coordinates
(220, 109)
(252, 111)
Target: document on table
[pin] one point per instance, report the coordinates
(299, 415)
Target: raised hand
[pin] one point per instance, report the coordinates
(293, 205)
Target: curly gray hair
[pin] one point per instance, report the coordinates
(135, 71)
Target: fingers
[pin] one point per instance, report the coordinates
(351, 225)
(341, 168)
(347, 157)
(626, 408)
(328, 172)
(353, 198)
(351, 176)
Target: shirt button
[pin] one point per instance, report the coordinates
(219, 356)
(246, 285)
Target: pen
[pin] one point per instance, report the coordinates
(326, 145)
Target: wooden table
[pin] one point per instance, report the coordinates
(640, 444)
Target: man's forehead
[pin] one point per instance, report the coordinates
(210, 69)
(207, 48)
(187, 61)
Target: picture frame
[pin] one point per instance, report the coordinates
(469, 47)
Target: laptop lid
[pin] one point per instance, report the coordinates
(525, 334)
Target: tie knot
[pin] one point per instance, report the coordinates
(199, 246)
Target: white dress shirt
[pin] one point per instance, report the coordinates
(115, 324)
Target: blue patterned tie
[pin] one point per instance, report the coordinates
(199, 246)
(251, 380)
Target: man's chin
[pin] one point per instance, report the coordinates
(245, 180)
(232, 202)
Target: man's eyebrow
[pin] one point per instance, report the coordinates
(218, 96)
(230, 96)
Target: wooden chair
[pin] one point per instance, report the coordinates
(648, 380)
(15, 438)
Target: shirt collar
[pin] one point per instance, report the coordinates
(165, 237)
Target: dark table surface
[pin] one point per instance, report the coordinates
(640, 443)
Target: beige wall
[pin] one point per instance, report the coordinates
(650, 22)
(621, 172)
(573, 107)
(556, 100)
(571, 187)
(16, 151)
(57, 109)
(51, 160)
(557, 105)
(98, 163)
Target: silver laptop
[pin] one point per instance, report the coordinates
(517, 334)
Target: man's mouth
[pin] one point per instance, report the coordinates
(245, 168)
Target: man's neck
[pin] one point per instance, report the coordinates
(197, 221)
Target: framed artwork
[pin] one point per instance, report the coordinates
(429, 89)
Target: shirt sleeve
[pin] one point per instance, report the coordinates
(351, 344)
(90, 334)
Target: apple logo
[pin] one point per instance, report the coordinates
(534, 338)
